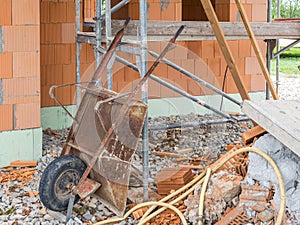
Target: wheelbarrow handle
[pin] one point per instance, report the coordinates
(52, 95)
(99, 103)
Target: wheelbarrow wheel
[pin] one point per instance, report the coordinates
(57, 181)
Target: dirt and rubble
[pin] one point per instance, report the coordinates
(231, 198)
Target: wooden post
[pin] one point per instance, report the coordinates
(212, 17)
(256, 48)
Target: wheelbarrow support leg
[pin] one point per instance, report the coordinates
(70, 207)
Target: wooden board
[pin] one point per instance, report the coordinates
(201, 30)
(281, 118)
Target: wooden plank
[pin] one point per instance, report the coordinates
(281, 118)
(212, 17)
(256, 49)
(201, 30)
(249, 135)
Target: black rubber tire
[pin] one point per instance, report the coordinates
(56, 180)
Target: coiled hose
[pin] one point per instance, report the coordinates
(197, 181)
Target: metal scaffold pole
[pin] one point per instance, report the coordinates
(108, 36)
(277, 50)
(98, 34)
(143, 70)
(78, 50)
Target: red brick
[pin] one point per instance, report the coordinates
(62, 53)
(240, 63)
(234, 13)
(194, 88)
(47, 54)
(133, 11)
(26, 64)
(6, 117)
(25, 12)
(90, 56)
(27, 115)
(214, 65)
(6, 62)
(262, 45)
(252, 66)
(161, 70)
(172, 73)
(51, 33)
(195, 48)
(244, 48)
(119, 75)
(230, 84)
(21, 38)
(5, 12)
(167, 92)
(259, 12)
(181, 50)
(189, 65)
(222, 11)
(71, 12)
(170, 54)
(154, 89)
(154, 12)
(58, 12)
(208, 49)
(68, 33)
(44, 12)
(257, 83)
(178, 11)
(234, 48)
(248, 10)
(181, 83)
(201, 68)
(169, 12)
(218, 52)
(131, 75)
(21, 90)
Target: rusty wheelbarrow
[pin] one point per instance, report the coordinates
(97, 155)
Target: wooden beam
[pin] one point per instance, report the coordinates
(256, 48)
(202, 30)
(212, 17)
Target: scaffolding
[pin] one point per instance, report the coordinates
(194, 30)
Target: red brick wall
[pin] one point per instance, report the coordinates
(208, 51)
(58, 50)
(20, 65)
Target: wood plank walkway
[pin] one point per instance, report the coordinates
(281, 118)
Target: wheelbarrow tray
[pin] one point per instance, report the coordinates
(112, 168)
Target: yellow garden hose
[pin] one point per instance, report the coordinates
(199, 180)
(202, 195)
(115, 220)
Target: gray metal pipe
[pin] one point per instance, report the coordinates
(176, 89)
(98, 27)
(194, 124)
(195, 78)
(108, 35)
(78, 50)
(143, 70)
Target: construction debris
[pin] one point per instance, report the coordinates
(252, 133)
(19, 163)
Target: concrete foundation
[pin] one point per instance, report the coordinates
(20, 145)
(288, 163)
(56, 118)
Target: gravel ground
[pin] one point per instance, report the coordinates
(17, 207)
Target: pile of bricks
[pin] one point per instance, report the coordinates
(172, 179)
(24, 173)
